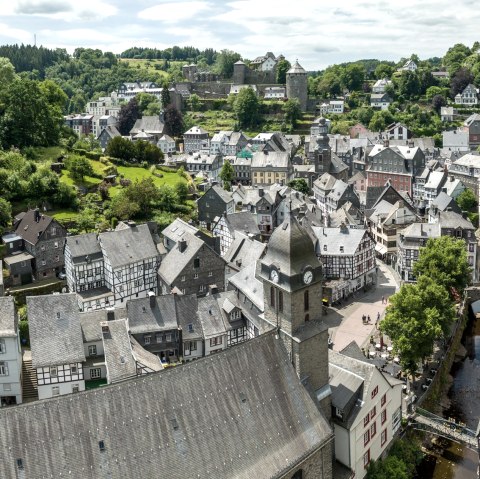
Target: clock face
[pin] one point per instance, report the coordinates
(307, 277)
(274, 275)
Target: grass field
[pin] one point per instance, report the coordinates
(141, 64)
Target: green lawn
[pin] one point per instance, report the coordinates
(88, 181)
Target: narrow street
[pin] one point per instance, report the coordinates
(345, 321)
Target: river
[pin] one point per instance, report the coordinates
(453, 461)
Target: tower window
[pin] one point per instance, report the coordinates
(280, 301)
(272, 296)
(306, 302)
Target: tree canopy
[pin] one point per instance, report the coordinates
(246, 107)
(227, 173)
(445, 259)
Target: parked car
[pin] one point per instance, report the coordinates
(62, 275)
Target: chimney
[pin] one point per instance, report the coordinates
(261, 192)
(182, 245)
(265, 152)
(343, 228)
(105, 329)
(151, 296)
(110, 315)
(36, 213)
(386, 143)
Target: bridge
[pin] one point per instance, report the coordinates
(423, 420)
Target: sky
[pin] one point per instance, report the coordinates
(316, 32)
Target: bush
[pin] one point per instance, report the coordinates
(144, 164)
(24, 332)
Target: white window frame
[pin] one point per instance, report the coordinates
(3, 347)
(53, 371)
(3, 368)
(55, 391)
(95, 373)
(92, 350)
(147, 339)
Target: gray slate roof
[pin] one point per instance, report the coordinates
(128, 245)
(186, 307)
(7, 316)
(243, 250)
(246, 281)
(118, 352)
(55, 333)
(350, 239)
(243, 221)
(150, 124)
(144, 357)
(210, 315)
(84, 245)
(217, 417)
(143, 317)
(31, 230)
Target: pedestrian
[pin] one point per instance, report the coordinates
(364, 318)
(378, 316)
(383, 299)
(368, 319)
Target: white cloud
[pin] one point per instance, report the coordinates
(9, 34)
(174, 12)
(65, 10)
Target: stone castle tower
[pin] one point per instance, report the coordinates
(297, 84)
(239, 73)
(291, 275)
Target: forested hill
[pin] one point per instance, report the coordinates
(28, 58)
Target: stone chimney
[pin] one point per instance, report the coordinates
(212, 289)
(151, 296)
(182, 245)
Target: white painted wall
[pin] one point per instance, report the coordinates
(45, 392)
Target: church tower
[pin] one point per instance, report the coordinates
(322, 151)
(291, 275)
(297, 84)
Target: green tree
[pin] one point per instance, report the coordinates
(122, 207)
(467, 200)
(127, 116)
(227, 174)
(181, 189)
(224, 62)
(7, 72)
(353, 76)
(144, 193)
(329, 84)
(166, 100)
(445, 259)
(301, 185)
(413, 323)
(145, 100)
(5, 213)
(247, 108)
(86, 220)
(292, 111)
(79, 167)
(281, 74)
(167, 198)
(120, 148)
(384, 70)
(388, 468)
(173, 121)
(146, 151)
(194, 102)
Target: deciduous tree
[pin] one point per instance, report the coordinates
(173, 121)
(227, 173)
(247, 107)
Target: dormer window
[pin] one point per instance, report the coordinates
(324, 247)
(342, 249)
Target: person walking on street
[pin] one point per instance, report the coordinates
(383, 299)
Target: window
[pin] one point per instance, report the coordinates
(75, 388)
(366, 420)
(168, 337)
(43, 262)
(373, 412)
(53, 371)
(201, 289)
(366, 437)
(73, 369)
(196, 263)
(95, 373)
(55, 244)
(195, 276)
(366, 459)
(55, 391)
(383, 437)
(216, 341)
(338, 413)
(375, 392)
(383, 416)
(3, 368)
(182, 278)
(306, 302)
(147, 338)
(373, 429)
(280, 301)
(384, 399)
(2, 346)
(210, 274)
(272, 296)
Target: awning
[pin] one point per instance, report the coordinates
(380, 248)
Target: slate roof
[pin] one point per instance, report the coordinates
(243, 221)
(196, 130)
(186, 307)
(326, 182)
(143, 317)
(84, 245)
(344, 385)
(149, 124)
(296, 68)
(262, 424)
(175, 260)
(246, 281)
(90, 324)
(443, 201)
(128, 246)
(144, 357)
(177, 229)
(224, 195)
(211, 317)
(290, 248)
(55, 333)
(31, 230)
(333, 238)
(451, 219)
(118, 351)
(7, 317)
(274, 159)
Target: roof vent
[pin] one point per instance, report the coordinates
(20, 464)
(101, 446)
(190, 327)
(122, 359)
(105, 328)
(175, 424)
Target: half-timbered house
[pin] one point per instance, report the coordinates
(56, 342)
